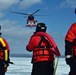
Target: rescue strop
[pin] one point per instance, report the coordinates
(51, 41)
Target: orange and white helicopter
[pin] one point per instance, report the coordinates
(31, 22)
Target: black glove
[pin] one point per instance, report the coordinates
(6, 64)
(69, 60)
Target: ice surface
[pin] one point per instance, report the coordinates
(23, 66)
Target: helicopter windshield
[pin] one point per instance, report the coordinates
(30, 18)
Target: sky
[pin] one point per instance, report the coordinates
(14, 28)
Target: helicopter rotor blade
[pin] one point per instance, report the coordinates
(26, 15)
(19, 13)
(42, 15)
(35, 12)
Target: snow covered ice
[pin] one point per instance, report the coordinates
(23, 66)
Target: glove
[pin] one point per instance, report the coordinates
(68, 60)
(6, 64)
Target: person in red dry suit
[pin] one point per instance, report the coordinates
(43, 55)
(70, 49)
(4, 55)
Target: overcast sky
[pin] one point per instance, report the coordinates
(14, 28)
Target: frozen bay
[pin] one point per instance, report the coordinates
(23, 66)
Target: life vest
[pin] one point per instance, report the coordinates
(43, 52)
(3, 50)
(51, 42)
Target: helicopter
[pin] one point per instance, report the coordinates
(31, 22)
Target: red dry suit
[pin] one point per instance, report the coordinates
(71, 37)
(42, 50)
